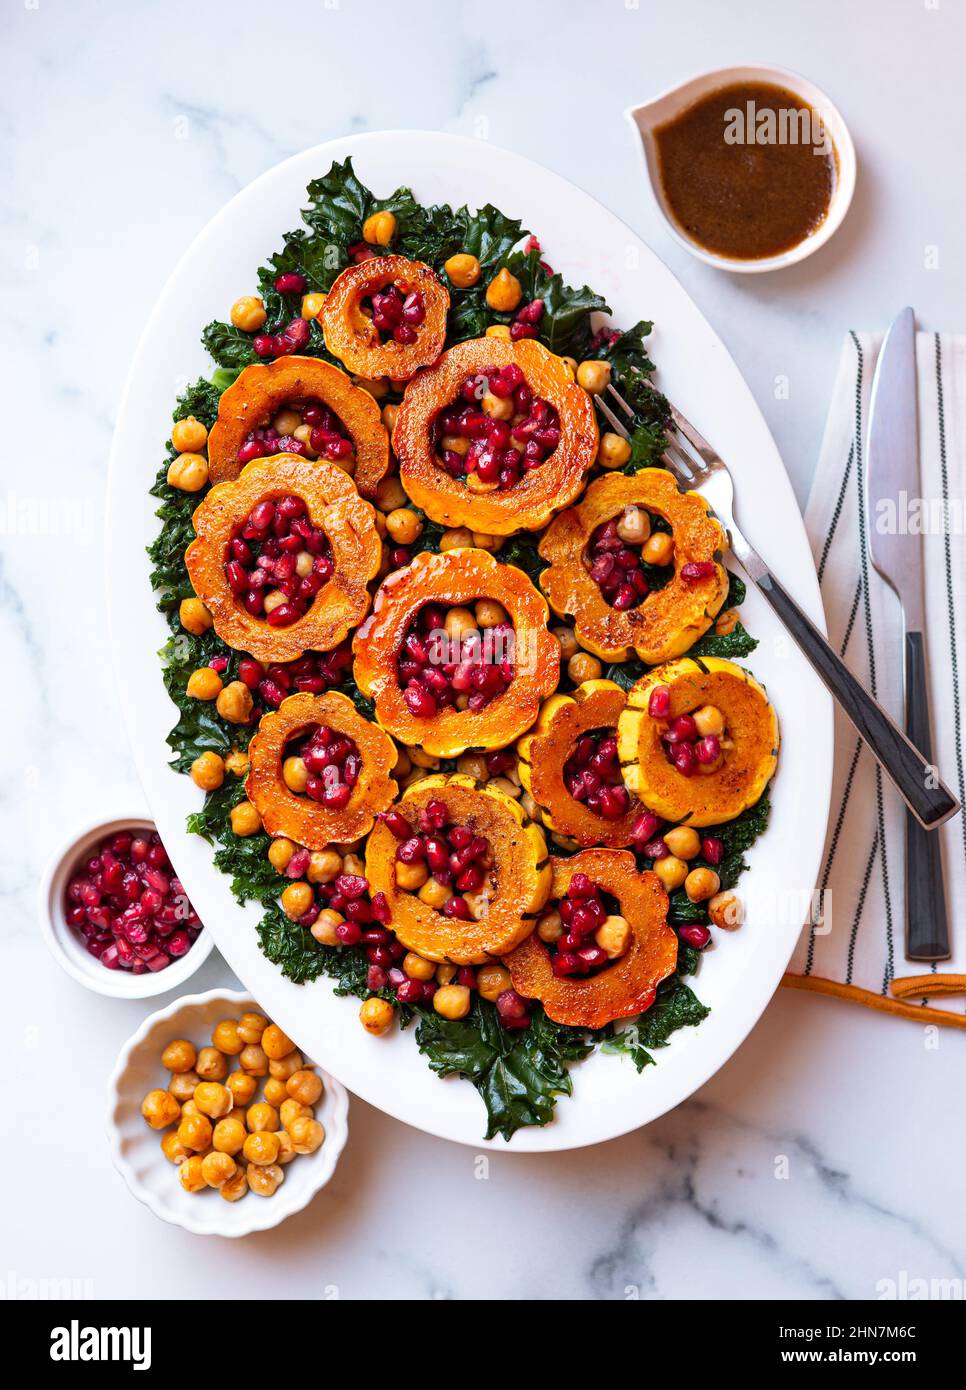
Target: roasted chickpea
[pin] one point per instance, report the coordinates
(376, 1016)
(725, 911)
(390, 496)
(306, 1135)
(504, 292)
(324, 866)
(203, 684)
(377, 386)
(709, 720)
(276, 1043)
(483, 540)
(323, 928)
(472, 765)
(295, 774)
(160, 1108)
(253, 1059)
(188, 472)
(284, 1067)
(286, 1149)
(505, 785)
(211, 1065)
(274, 1091)
(179, 1055)
(566, 640)
(296, 899)
(235, 1187)
(488, 613)
(451, 1001)
(213, 1099)
(290, 1110)
(417, 967)
(208, 771)
(613, 451)
(701, 884)
(237, 763)
(172, 1147)
(379, 229)
(235, 703)
(218, 1168)
(191, 1175)
(497, 407)
(404, 526)
(242, 1086)
(189, 436)
(550, 926)
(682, 841)
(583, 667)
(245, 820)
(658, 548)
(189, 1108)
(248, 313)
(280, 852)
(182, 1085)
(225, 1037)
(251, 1026)
(353, 863)
(304, 1086)
(411, 876)
(194, 616)
(229, 1135)
(593, 376)
(456, 538)
(195, 1132)
(671, 871)
(499, 330)
(462, 269)
(261, 1116)
(613, 936)
(434, 894)
(634, 525)
(727, 621)
(261, 1147)
(445, 974)
(264, 1181)
(492, 980)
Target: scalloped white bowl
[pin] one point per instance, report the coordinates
(136, 1149)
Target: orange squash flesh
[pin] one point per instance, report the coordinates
(351, 336)
(670, 619)
(458, 577)
(301, 819)
(519, 875)
(261, 391)
(531, 502)
(334, 505)
(543, 753)
(745, 770)
(625, 988)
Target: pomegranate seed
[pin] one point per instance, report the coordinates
(695, 570)
(695, 935)
(712, 849)
(659, 703)
(290, 283)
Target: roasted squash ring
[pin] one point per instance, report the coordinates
(751, 724)
(625, 988)
(333, 505)
(519, 876)
(308, 822)
(531, 502)
(543, 753)
(352, 337)
(261, 391)
(670, 619)
(456, 577)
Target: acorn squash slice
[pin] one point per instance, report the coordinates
(351, 335)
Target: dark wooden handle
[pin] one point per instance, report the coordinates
(927, 926)
(915, 780)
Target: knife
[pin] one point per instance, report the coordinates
(893, 477)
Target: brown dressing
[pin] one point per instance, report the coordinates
(745, 171)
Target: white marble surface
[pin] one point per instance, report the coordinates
(125, 128)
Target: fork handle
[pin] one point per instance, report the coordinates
(927, 926)
(914, 777)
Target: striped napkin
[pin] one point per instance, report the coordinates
(855, 948)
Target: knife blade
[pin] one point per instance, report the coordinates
(893, 484)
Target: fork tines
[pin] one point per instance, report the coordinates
(688, 454)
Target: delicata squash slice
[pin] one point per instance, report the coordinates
(367, 759)
(568, 763)
(447, 690)
(678, 768)
(336, 412)
(497, 436)
(627, 986)
(386, 317)
(505, 851)
(297, 508)
(584, 542)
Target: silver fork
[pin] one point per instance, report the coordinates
(698, 468)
